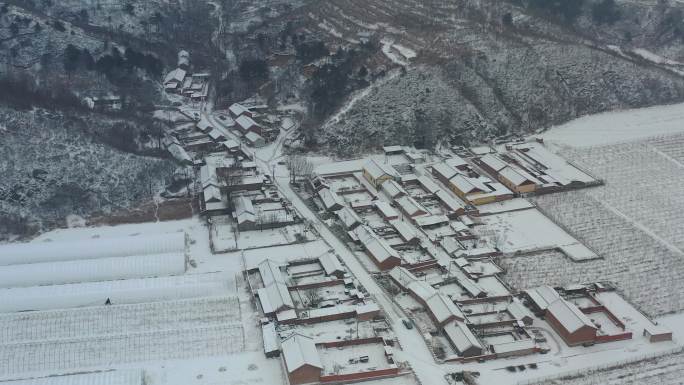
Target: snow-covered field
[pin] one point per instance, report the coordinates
(29, 327)
(66, 340)
(647, 272)
(122, 377)
(152, 319)
(530, 230)
(126, 291)
(660, 370)
(644, 183)
(619, 126)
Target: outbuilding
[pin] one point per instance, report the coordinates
(302, 362)
(377, 173)
(570, 323)
(246, 124)
(236, 110)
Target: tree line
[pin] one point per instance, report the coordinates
(115, 66)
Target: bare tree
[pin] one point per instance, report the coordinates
(312, 297)
(299, 167)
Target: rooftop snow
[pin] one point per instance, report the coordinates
(569, 315)
(298, 351)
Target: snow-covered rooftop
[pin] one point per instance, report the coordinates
(298, 351)
(569, 315)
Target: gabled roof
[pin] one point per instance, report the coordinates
(253, 137)
(245, 122)
(211, 193)
(274, 296)
(330, 199)
(298, 351)
(450, 202)
(569, 315)
(385, 209)
(204, 125)
(330, 264)
(456, 161)
(443, 309)
(348, 217)
(410, 206)
(517, 176)
(238, 109)
(460, 335)
(406, 231)
(518, 310)
(444, 170)
(377, 170)
(421, 289)
(376, 246)
(543, 296)
(244, 210)
(216, 135)
(428, 184)
(431, 220)
(393, 189)
(176, 75)
(466, 185)
(493, 162)
(402, 276)
(231, 144)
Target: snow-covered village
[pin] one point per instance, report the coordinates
(212, 217)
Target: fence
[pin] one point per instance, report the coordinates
(599, 368)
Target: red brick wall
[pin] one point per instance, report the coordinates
(362, 341)
(360, 376)
(614, 337)
(305, 375)
(583, 335)
(317, 284)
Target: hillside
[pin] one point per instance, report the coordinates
(363, 73)
(480, 69)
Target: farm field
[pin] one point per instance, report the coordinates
(643, 183)
(88, 337)
(667, 370)
(631, 257)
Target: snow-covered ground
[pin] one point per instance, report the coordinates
(527, 231)
(619, 126)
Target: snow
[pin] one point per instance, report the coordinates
(119, 292)
(119, 377)
(569, 315)
(530, 230)
(505, 206)
(33, 252)
(648, 55)
(619, 126)
(408, 53)
(54, 356)
(344, 167)
(387, 48)
(91, 270)
(283, 254)
(345, 360)
(299, 350)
